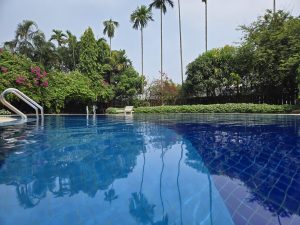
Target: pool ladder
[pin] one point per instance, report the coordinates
(23, 97)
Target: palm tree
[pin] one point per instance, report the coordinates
(140, 18)
(71, 40)
(180, 40)
(109, 29)
(162, 6)
(24, 35)
(58, 36)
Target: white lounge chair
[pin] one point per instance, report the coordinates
(128, 109)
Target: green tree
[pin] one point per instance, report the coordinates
(210, 73)
(275, 40)
(58, 36)
(89, 55)
(162, 6)
(44, 51)
(22, 43)
(140, 18)
(127, 85)
(109, 30)
(71, 40)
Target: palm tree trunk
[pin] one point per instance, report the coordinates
(110, 47)
(142, 46)
(206, 26)
(180, 37)
(161, 53)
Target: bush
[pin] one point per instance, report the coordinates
(4, 112)
(113, 110)
(218, 108)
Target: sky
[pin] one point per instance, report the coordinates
(224, 17)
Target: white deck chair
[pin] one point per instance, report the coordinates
(128, 109)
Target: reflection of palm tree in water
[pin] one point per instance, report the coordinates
(28, 196)
(178, 174)
(164, 220)
(210, 198)
(139, 206)
(110, 195)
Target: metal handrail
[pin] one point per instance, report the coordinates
(23, 97)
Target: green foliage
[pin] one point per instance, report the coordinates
(127, 85)
(109, 27)
(112, 110)
(4, 112)
(89, 55)
(218, 108)
(15, 72)
(275, 38)
(211, 73)
(266, 63)
(140, 17)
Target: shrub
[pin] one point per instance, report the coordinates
(111, 110)
(4, 112)
(218, 108)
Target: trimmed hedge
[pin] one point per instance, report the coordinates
(218, 108)
(114, 110)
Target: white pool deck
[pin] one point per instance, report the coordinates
(5, 119)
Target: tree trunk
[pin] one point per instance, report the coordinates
(180, 39)
(110, 47)
(206, 26)
(161, 54)
(142, 46)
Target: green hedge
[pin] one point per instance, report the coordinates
(218, 108)
(114, 110)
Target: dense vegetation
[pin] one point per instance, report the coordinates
(267, 62)
(217, 108)
(85, 71)
(65, 71)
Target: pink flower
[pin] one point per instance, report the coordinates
(46, 84)
(44, 73)
(20, 80)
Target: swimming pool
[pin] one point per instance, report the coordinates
(152, 169)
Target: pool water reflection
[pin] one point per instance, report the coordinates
(106, 170)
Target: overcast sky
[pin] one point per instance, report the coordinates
(76, 15)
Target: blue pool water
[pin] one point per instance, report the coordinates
(170, 169)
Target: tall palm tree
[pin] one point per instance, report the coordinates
(162, 6)
(180, 41)
(140, 18)
(58, 36)
(109, 29)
